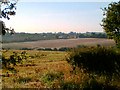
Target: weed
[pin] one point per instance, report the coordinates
(49, 77)
(24, 79)
(69, 85)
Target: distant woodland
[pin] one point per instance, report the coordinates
(25, 37)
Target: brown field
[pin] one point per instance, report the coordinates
(60, 43)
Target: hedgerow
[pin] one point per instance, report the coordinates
(99, 60)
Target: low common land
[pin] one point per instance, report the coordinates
(49, 69)
(32, 73)
(58, 43)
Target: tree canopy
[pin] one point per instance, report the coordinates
(111, 21)
(7, 8)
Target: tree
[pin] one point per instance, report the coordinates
(7, 8)
(111, 21)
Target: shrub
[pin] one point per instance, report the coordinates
(99, 60)
(89, 83)
(13, 59)
(81, 46)
(55, 49)
(118, 45)
(64, 49)
(49, 77)
(26, 49)
(93, 84)
(41, 49)
(48, 49)
(70, 86)
(24, 79)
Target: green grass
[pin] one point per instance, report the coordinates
(51, 77)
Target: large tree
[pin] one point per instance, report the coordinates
(7, 8)
(111, 21)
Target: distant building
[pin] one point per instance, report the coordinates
(72, 36)
(64, 36)
(60, 37)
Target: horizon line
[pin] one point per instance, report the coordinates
(68, 1)
(62, 32)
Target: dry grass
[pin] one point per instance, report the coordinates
(44, 69)
(60, 43)
(30, 72)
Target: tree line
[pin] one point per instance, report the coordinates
(24, 37)
(110, 21)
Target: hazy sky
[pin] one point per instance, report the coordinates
(57, 17)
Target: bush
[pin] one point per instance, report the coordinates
(70, 86)
(24, 79)
(118, 45)
(49, 77)
(26, 49)
(99, 60)
(13, 59)
(94, 84)
(64, 49)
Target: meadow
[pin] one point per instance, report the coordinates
(50, 69)
(32, 72)
(58, 43)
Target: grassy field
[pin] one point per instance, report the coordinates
(49, 69)
(60, 43)
(30, 73)
(46, 69)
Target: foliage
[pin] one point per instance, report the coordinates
(93, 83)
(24, 79)
(111, 21)
(64, 49)
(99, 60)
(53, 74)
(50, 77)
(70, 86)
(25, 37)
(26, 49)
(13, 59)
(89, 83)
(9, 7)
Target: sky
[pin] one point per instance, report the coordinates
(38, 17)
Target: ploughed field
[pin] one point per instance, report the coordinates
(58, 43)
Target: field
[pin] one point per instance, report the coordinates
(30, 73)
(47, 69)
(60, 43)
